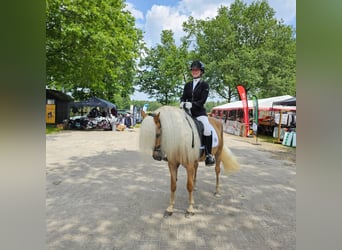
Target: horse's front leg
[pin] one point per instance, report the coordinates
(190, 169)
(195, 175)
(217, 171)
(173, 168)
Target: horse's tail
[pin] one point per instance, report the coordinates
(229, 161)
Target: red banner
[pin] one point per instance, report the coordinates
(242, 92)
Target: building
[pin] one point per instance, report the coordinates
(57, 106)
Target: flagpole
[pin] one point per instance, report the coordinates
(255, 117)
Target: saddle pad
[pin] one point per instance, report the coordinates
(215, 137)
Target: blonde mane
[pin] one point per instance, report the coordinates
(177, 135)
(147, 135)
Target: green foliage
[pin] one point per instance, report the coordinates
(209, 105)
(121, 102)
(163, 70)
(52, 129)
(91, 48)
(153, 105)
(245, 45)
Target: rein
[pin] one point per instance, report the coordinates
(157, 148)
(157, 153)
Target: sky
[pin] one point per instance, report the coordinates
(153, 16)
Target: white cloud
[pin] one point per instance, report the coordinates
(161, 17)
(136, 13)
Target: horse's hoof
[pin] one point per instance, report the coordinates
(189, 214)
(167, 214)
(217, 194)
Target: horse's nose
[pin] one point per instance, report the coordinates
(157, 155)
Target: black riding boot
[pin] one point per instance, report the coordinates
(209, 160)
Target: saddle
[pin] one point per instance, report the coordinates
(200, 130)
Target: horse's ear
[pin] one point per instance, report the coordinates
(143, 114)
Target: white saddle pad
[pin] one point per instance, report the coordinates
(215, 137)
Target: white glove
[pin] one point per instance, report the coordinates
(181, 105)
(188, 105)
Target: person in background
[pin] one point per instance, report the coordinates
(114, 112)
(94, 112)
(195, 94)
(112, 118)
(128, 121)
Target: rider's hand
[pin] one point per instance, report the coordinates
(188, 105)
(181, 105)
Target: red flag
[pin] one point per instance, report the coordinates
(242, 92)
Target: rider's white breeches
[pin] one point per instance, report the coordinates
(205, 121)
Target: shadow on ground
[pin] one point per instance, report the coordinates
(116, 200)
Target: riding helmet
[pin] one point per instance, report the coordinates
(197, 65)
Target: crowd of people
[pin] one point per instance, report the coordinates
(118, 121)
(122, 122)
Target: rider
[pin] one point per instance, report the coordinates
(195, 94)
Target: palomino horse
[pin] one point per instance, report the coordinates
(171, 134)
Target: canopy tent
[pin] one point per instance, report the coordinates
(288, 102)
(94, 102)
(264, 104)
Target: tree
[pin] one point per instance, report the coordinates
(245, 45)
(91, 48)
(152, 105)
(163, 70)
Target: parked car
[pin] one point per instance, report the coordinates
(91, 121)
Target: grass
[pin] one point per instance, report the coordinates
(52, 129)
(266, 138)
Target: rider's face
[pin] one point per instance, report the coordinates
(195, 73)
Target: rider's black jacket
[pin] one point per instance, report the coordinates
(198, 97)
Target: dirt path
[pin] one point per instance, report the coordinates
(102, 194)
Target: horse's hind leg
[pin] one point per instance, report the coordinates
(173, 168)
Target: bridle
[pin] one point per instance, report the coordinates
(157, 152)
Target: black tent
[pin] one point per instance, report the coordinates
(94, 102)
(288, 102)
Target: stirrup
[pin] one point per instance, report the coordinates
(209, 160)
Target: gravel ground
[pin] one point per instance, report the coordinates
(102, 194)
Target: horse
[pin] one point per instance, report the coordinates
(171, 134)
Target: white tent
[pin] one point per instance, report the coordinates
(263, 104)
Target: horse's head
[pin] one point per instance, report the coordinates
(157, 153)
(144, 114)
